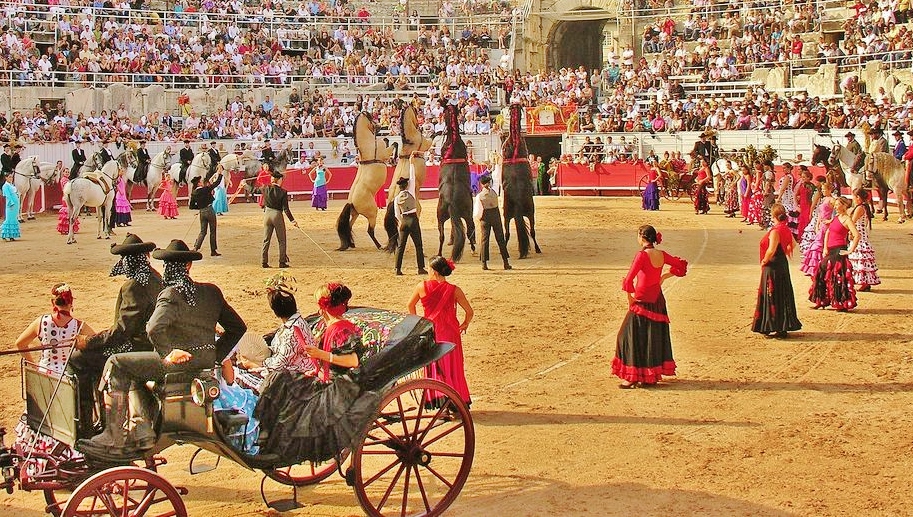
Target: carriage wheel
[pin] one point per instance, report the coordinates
(692, 191)
(119, 491)
(57, 499)
(416, 456)
(306, 473)
(642, 185)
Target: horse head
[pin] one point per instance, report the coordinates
(454, 147)
(820, 154)
(514, 147)
(283, 157)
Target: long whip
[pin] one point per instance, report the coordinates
(318, 246)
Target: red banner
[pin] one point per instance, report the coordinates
(549, 119)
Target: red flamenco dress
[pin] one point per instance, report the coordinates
(63, 215)
(775, 311)
(439, 303)
(644, 347)
(833, 282)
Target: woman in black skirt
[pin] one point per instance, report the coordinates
(775, 312)
(644, 350)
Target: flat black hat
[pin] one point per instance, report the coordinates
(177, 251)
(132, 245)
(485, 180)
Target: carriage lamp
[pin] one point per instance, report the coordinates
(204, 391)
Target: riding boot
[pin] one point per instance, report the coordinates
(111, 444)
(86, 427)
(140, 432)
(507, 265)
(484, 265)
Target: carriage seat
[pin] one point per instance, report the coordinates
(232, 419)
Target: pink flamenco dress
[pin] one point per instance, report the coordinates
(168, 207)
(122, 208)
(814, 249)
(865, 270)
(833, 282)
(63, 215)
(643, 350)
(439, 303)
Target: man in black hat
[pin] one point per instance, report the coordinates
(900, 148)
(142, 163)
(79, 158)
(491, 220)
(214, 158)
(406, 209)
(104, 155)
(267, 155)
(181, 330)
(6, 161)
(201, 199)
(185, 157)
(275, 203)
(135, 303)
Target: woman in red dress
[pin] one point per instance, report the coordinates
(833, 283)
(775, 312)
(805, 191)
(644, 349)
(701, 196)
(439, 299)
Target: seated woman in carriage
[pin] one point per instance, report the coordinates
(56, 331)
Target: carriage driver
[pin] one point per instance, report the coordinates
(181, 330)
(135, 303)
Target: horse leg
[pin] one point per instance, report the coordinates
(371, 233)
(440, 232)
(532, 232)
(30, 213)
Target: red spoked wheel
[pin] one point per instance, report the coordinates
(78, 470)
(120, 491)
(416, 455)
(306, 473)
(641, 186)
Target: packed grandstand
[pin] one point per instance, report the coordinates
(688, 67)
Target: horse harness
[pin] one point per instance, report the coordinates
(36, 174)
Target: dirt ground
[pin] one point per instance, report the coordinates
(818, 424)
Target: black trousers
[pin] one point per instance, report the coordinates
(208, 223)
(125, 371)
(491, 221)
(409, 227)
(87, 365)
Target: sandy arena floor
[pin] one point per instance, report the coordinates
(818, 424)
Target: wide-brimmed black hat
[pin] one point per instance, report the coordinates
(177, 251)
(132, 245)
(850, 135)
(402, 182)
(485, 180)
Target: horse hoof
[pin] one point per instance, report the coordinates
(99, 237)
(31, 218)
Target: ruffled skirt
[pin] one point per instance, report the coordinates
(168, 207)
(651, 196)
(833, 284)
(775, 310)
(643, 351)
(319, 197)
(220, 202)
(701, 199)
(865, 270)
(63, 221)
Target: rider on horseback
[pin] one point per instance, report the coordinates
(142, 163)
(214, 158)
(267, 156)
(185, 156)
(6, 162)
(79, 158)
(104, 154)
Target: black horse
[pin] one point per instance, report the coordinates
(518, 186)
(454, 191)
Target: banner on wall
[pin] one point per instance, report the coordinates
(549, 119)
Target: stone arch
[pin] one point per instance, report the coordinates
(576, 39)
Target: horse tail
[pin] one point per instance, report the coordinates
(522, 235)
(344, 227)
(391, 225)
(459, 235)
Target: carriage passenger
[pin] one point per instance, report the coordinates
(181, 330)
(58, 329)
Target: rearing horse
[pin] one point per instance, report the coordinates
(455, 193)
(413, 141)
(518, 186)
(373, 154)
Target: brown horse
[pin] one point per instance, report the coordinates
(518, 186)
(373, 154)
(455, 192)
(413, 141)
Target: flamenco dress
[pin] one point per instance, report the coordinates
(319, 193)
(168, 207)
(439, 303)
(755, 207)
(865, 270)
(643, 351)
(10, 228)
(815, 249)
(63, 214)
(220, 201)
(306, 417)
(744, 198)
(775, 310)
(788, 200)
(702, 195)
(833, 284)
(651, 193)
(804, 193)
(731, 201)
(122, 208)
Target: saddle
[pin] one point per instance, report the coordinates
(99, 179)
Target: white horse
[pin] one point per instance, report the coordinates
(92, 189)
(840, 154)
(29, 175)
(890, 174)
(198, 168)
(154, 175)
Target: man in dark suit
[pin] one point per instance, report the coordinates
(267, 155)
(135, 303)
(181, 330)
(214, 158)
(201, 199)
(79, 158)
(6, 161)
(275, 203)
(185, 157)
(142, 163)
(104, 154)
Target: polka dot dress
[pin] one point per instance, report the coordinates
(50, 335)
